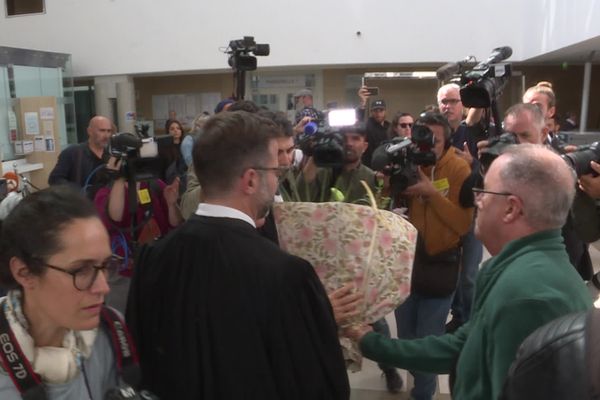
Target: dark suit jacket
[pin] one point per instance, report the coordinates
(220, 312)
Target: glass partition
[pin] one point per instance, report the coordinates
(36, 102)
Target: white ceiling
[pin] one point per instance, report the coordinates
(575, 54)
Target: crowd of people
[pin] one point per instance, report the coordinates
(217, 310)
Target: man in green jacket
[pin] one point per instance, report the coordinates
(528, 281)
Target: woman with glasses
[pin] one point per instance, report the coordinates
(55, 259)
(401, 125)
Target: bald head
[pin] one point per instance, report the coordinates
(99, 131)
(543, 181)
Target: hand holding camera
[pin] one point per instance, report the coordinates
(365, 92)
(465, 153)
(299, 128)
(424, 187)
(590, 183)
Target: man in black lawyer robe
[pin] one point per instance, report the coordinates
(220, 312)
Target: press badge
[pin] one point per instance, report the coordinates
(442, 185)
(144, 196)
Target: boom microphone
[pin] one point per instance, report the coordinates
(447, 71)
(499, 54)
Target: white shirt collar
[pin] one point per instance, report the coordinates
(215, 210)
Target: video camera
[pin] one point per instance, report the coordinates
(483, 84)
(400, 157)
(140, 157)
(241, 61)
(239, 50)
(324, 139)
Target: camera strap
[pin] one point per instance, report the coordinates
(16, 365)
(125, 351)
(30, 385)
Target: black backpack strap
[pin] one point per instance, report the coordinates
(592, 352)
(16, 365)
(125, 351)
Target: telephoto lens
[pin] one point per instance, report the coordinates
(580, 159)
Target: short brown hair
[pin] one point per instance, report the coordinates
(231, 143)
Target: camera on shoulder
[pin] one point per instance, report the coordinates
(140, 157)
(400, 157)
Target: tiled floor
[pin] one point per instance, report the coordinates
(369, 384)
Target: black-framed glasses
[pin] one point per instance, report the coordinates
(85, 276)
(405, 125)
(279, 171)
(477, 191)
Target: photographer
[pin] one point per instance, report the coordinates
(156, 211)
(376, 125)
(341, 183)
(528, 124)
(434, 209)
(586, 215)
(465, 134)
(78, 164)
(590, 183)
(304, 98)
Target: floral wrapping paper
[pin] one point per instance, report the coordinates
(352, 243)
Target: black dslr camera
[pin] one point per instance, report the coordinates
(400, 157)
(495, 147)
(140, 158)
(580, 159)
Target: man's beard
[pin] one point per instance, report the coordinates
(351, 156)
(264, 209)
(265, 198)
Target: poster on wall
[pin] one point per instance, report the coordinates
(49, 143)
(39, 144)
(183, 107)
(32, 125)
(27, 146)
(130, 116)
(18, 147)
(48, 128)
(46, 113)
(12, 125)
